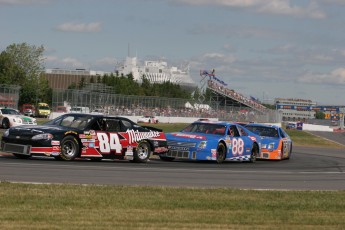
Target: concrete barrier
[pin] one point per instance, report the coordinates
(311, 127)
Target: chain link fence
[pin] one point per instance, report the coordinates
(133, 105)
(9, 96)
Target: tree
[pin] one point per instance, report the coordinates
(319, 115)
(22, 64)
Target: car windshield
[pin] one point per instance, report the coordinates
(43, 107)
(263, 131)
(206, 128)
(79, 122)
(10, 111)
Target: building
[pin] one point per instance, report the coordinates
(295, 109)
(62, 79)
(156, 72)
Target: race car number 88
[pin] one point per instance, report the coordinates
(107, 144)
(237, 146)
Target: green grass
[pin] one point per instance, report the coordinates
(26, 206)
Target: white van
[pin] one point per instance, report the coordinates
(79, 109)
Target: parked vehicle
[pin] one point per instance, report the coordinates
(60, 109)
(80, 109)
(28, 110)
(147, 119)
(43, 110)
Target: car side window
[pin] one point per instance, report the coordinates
(67, 121)
(113, 125)
(242, 132)
(233, 131)
(126, 125)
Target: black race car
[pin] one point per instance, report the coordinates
(92, 136)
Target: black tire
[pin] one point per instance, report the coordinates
(142, 152)
(21, 156)
(221, 153)
(165, 158)
(254, 153)
(5, 123)
(69, 148)
(290, 152)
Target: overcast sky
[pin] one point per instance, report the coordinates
(261, 48)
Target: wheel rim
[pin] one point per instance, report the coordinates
(143, 151)
(69, 148)
(5, 124)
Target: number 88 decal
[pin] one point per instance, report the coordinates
(237, 147)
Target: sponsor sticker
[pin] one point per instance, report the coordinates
(55, 143)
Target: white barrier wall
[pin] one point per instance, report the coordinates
(187, 120)
(160, 119)
(311, 127)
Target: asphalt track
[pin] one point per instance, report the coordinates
(308, 169)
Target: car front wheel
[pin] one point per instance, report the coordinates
(5, 123)
(221, 153)
(69, 148)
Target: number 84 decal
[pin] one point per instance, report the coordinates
(237, 146)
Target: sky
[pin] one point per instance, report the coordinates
(262, 48)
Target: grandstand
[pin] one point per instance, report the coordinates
(222, 96)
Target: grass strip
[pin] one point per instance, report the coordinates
(29, 206)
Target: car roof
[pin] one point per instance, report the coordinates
(215, 122)
(97, 115)
(262, 125)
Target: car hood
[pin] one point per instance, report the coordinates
(187, 137)
(38, 129)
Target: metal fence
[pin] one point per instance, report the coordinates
(9, 96)
(133, 105)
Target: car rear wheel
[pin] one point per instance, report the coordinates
(221, 153)
(255, 152)
(69, 148)
(142, 152)
(5, 123)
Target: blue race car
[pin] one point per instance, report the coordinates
(213, 140)
(275, 142)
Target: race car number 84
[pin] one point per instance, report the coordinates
(237, 147)
(111, 143)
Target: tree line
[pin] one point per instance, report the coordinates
(126, 85)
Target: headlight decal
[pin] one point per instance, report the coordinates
(43, 136)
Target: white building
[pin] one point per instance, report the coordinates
(156, 72)
(292, 109)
